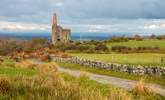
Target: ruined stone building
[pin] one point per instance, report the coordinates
(59, 34)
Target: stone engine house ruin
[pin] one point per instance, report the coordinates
(59, 34)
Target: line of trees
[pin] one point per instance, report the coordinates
(135, 37)
(125, 49)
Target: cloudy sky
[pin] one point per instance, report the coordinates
(136, 16)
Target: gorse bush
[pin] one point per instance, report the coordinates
(7, 46)
(126, 49)
(101, 46)
(86, 47)
(119, 39)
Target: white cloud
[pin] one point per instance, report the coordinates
(101, 28)
(162, 25)
(59, 4)
(130, 26)
(155, 26)
(13, 26)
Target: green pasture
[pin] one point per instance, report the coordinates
(144, 43)
(148, 59)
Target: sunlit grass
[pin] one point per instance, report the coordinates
(148, 59)
(144, 43)
(16, 71)
(10, 68)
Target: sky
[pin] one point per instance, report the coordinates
(95, 16)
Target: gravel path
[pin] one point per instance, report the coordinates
(123, 83)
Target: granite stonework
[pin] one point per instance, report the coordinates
(157, 70)
(59, 34)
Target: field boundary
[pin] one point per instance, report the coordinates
(140, 70)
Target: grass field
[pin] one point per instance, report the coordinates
(144, 43)
(149, 59)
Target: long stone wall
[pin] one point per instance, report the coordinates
(113, 66)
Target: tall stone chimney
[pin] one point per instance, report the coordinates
(54, 29)
(59, 34)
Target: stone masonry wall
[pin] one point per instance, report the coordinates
(113, 66)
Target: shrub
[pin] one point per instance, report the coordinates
(161, 37)
(119, 39)
(125, 49)
(144, 93)
(138, 38)
(93, 42)
(46, 58)
(39, 41)
(78, 43)
(9, 46)
(82, 47)
(5, 85)
(122, 49)
(101, 47)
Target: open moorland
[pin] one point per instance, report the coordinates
(44, 81)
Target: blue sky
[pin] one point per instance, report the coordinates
(136, 16)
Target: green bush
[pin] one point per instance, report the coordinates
(101, 47)
(39, 41)
(119, 39)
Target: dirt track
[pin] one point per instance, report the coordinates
(123, 83)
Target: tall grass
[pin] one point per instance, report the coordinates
(11, 68)
(144, 93)
(49, 84)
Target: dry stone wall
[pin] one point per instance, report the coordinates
(113, 66)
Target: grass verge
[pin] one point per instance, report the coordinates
(110, 91)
